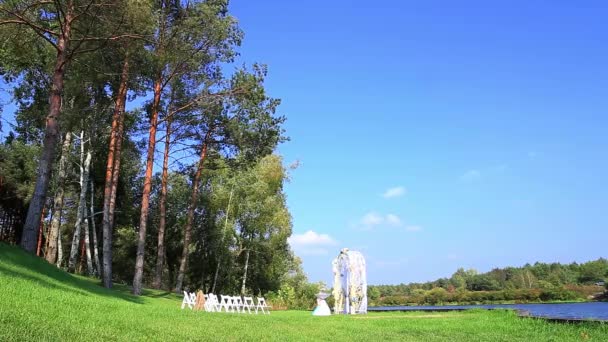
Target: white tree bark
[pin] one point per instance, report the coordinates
(87, 244)
(245, 272)
(78, 228)
(59, 247)
(54, 248)
(94, 232)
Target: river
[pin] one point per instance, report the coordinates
(589, 310)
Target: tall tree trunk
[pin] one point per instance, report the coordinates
(82, 202)
(160, 251)
(217, 272)
(145, 200)
(87, 239)
(219, 258)
(40, 231)
(59, 249)
(245, 272)
(117, 160)
(190, 216)
(87, 243)
(94, 231)
(51, 133)
(108, 205)
(54, 239)
(82, 255)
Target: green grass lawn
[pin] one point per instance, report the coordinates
(41, 302)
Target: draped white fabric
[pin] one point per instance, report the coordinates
(350, 283)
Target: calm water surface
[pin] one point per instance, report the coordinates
(593, 310)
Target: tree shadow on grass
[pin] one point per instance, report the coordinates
(18, 264)
(162, 294)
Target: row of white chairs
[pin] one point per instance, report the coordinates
(227, 303)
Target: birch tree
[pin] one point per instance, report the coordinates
(95, 248)
(81, 226)
(54, 236)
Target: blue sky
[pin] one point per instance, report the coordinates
(434, 135)
(488, 120)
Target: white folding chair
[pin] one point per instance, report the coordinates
(208, 306)
(217, 303)
(189, 300)
(193, 298)
(262, 305)
(237, 301)
(226, 303)
(248, 304)
(214, 304)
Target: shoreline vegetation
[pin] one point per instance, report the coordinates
(531, 283)
(38, 301)
(491, 303)
(441, 297)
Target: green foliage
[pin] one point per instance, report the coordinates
(186, 47)
(123, 257)
(482, 283)
(436, 295)
(594, 271)
(373, 294)
(296, 293)
(283, 298)
(241, 209)
(18, 163)
(530, 283)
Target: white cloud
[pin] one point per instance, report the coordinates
(393, 220)
(413, 228)
(372, 219)
(397, 191)
(471, 175)
(311, 238)
(311, 243)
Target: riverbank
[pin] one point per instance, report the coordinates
(566, 312)
(549, 293)
(499, 302)
(40, 302)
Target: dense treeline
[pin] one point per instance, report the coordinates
(139, 153)
(530, 283)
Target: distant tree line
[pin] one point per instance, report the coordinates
(531, 283)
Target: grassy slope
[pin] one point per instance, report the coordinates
(40, 302)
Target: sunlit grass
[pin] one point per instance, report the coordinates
(40, 302)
